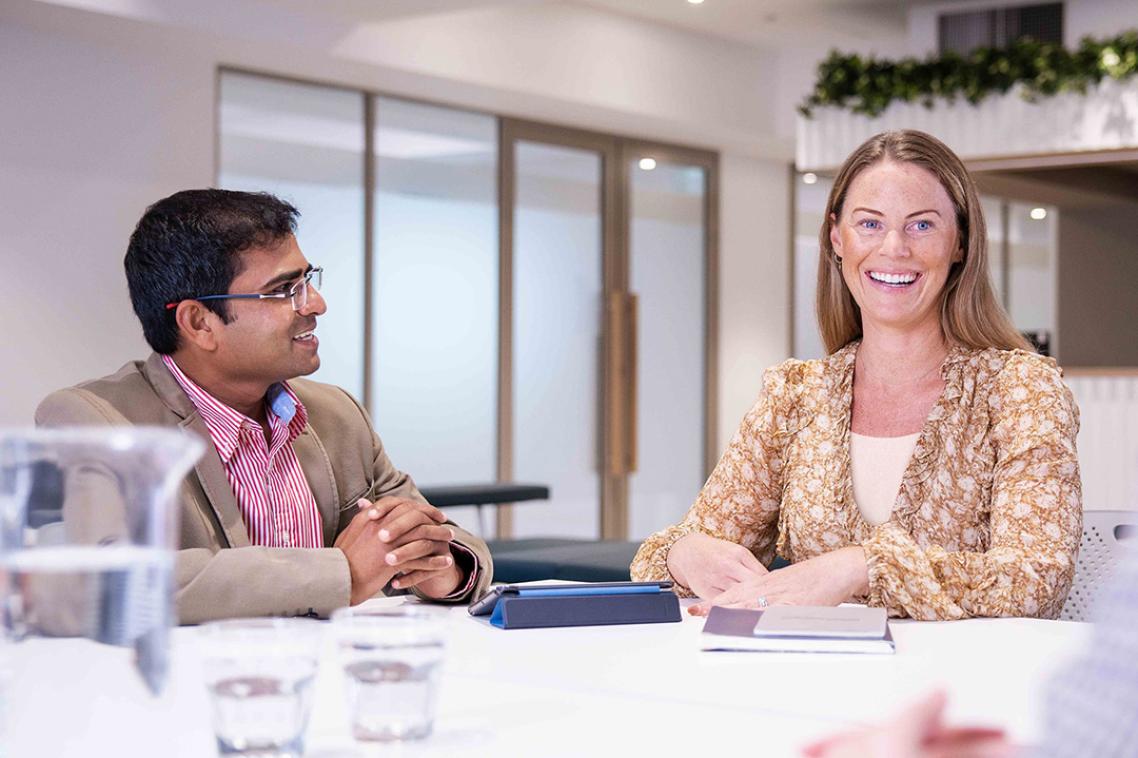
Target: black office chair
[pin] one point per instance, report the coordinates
(45, 501)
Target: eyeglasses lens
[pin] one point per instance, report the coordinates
(312, 279)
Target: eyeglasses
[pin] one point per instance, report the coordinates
(297, 291)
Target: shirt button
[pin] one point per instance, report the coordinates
(286, 539)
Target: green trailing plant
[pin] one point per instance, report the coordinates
(869, 85)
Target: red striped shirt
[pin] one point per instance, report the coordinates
(276, 502)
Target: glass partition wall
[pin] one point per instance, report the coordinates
(434, 284)
(304, 143)
(510, 301)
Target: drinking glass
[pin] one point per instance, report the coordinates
(392, 659)
(88, 530)
(259, 674)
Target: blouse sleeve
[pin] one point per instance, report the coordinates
(740, 501)
(1035, 518)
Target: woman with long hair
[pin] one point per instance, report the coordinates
(927, 465)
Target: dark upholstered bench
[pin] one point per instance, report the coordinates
(484, 494)
(480, 495)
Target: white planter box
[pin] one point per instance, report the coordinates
(1000, 127)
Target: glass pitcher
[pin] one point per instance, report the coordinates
(88, 530)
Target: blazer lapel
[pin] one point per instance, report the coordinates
(318, 471)
(210, 472)
(215, 485)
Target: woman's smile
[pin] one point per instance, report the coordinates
(893, 280)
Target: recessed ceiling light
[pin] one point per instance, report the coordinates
(809, 178)
(1039, 213)
(647, 163)
(695, 2)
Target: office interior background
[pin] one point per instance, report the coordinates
(562, 239)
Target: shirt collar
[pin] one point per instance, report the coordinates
(286, 406)
(224, 423)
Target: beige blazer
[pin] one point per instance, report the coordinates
(218, 573)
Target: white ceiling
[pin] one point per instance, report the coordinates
(389, 10)
(758, 23)
(774, 23)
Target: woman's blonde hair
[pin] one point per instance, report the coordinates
(969, 312)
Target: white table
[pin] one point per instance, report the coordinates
(634, 690)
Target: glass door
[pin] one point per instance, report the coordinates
(671, 269)
(557, 264)
(608, 339)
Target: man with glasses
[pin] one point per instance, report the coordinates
(296, 509)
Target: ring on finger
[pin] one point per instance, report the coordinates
(762, 601)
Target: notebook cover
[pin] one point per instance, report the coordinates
(732, 629)
(849, 621)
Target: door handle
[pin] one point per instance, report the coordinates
(632, 313)
(622, 361)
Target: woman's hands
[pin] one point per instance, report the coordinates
(828, 579)
(709, 566)
(727, 574)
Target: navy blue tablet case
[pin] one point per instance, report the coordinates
(523, 607)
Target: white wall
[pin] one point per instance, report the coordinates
(1098, 18)
(90, 137)
(754, 281)
(104, 113)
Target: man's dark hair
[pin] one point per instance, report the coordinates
(189, 244)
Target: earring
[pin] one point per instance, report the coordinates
(837, 259)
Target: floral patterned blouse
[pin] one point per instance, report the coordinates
(989, 515)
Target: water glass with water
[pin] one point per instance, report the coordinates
(392, 659)
(88, 530)
(260, 674)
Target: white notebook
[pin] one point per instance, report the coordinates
(799, 629)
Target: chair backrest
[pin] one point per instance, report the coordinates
(45, 501)
(1105, 537)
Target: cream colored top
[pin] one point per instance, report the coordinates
(877, 465)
